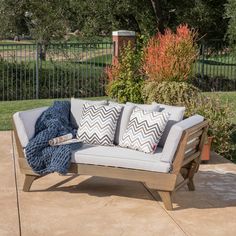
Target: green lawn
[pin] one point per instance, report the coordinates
(7, 109)
(10, 42)
(102, 60)
(226, 97)
(27, 47)
(217, 64)
(213, 69)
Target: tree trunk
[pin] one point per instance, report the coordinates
(43, 50)
(156, 6)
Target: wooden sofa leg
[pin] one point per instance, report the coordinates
(29, 179)
(192, 171)
(166, 199)
(189, 174)
(190, 184)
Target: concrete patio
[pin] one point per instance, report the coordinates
(83, 205)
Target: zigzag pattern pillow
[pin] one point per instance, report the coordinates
(98, 124)
(144, 130)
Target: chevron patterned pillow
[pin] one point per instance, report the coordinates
(98, 124)
(144, 130)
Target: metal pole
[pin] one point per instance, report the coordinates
(203, 49)
(37, 71)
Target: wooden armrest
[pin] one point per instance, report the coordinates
(190, 146)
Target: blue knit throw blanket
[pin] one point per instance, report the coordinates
(53, 122)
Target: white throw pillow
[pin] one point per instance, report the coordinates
(124, 118)
(98, 124)
(144, 130)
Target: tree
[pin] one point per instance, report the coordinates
(207, 16)
(93, 17)
(43, 20)
(12, 18)
(46, 20)
(158, 14)
(230, 14)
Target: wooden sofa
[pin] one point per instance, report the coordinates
(185, 162)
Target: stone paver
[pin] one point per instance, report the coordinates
(93, 206)
(211, 209)
(8, 205)
(83, 205)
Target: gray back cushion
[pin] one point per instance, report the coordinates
(125, 114)
(176, 115)
(147, 107)
(175, 135)
(25, 123)
(77, 107)
(123, 121)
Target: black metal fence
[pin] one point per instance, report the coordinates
(215, 68)
(31, 71)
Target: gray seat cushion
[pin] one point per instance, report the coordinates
(77, 107)
(25, 124)
(120, 157)
(176, 115)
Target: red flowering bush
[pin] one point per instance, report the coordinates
(112, 71)
(170, 56)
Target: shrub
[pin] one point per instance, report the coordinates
(170, 56)
(220, 121)
(172, 93)
(125, 78)
(213, 83)
(183, 94)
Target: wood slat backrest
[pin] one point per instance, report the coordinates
(190, 146)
